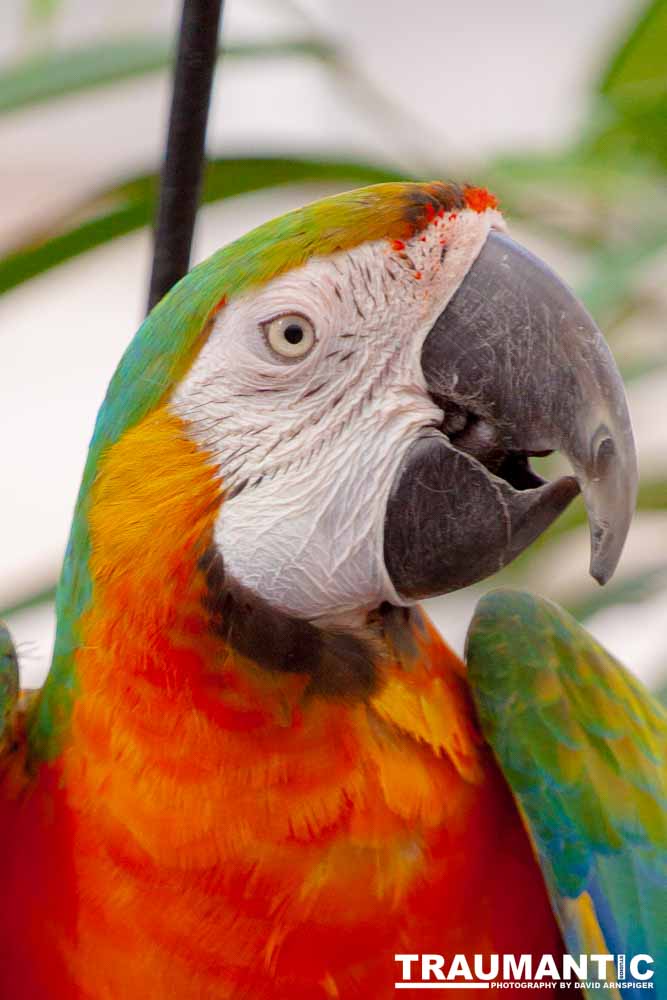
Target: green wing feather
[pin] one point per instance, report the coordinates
(583, 746)
(9, 686)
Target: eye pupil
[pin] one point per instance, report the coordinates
(293, 334)
(290, 336)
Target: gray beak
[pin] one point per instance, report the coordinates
(518, 368)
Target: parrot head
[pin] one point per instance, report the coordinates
(365, 380)
(371, 412)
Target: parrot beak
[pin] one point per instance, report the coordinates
(518, 368)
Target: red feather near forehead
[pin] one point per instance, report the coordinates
(479, 199)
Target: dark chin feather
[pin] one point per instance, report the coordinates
(340, 663)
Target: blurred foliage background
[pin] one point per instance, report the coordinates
(596, 208)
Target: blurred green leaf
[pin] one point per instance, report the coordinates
(637, 368)
(634, 89)
(129, 206)
(640, 129)
(616, 268)
(59, 74)
(42, 596)
(639, 67)
(578, 195)
(625, 590)
(42, 10)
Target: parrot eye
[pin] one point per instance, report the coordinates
(290, 336)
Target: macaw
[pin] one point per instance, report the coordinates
(255, 770)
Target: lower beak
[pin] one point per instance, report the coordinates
(518, 368)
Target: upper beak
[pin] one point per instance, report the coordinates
(518, 368)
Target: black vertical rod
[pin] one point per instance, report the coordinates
(182, 171)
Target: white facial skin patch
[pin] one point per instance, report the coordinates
(309, 428)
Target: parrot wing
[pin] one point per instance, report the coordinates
(583, 746)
